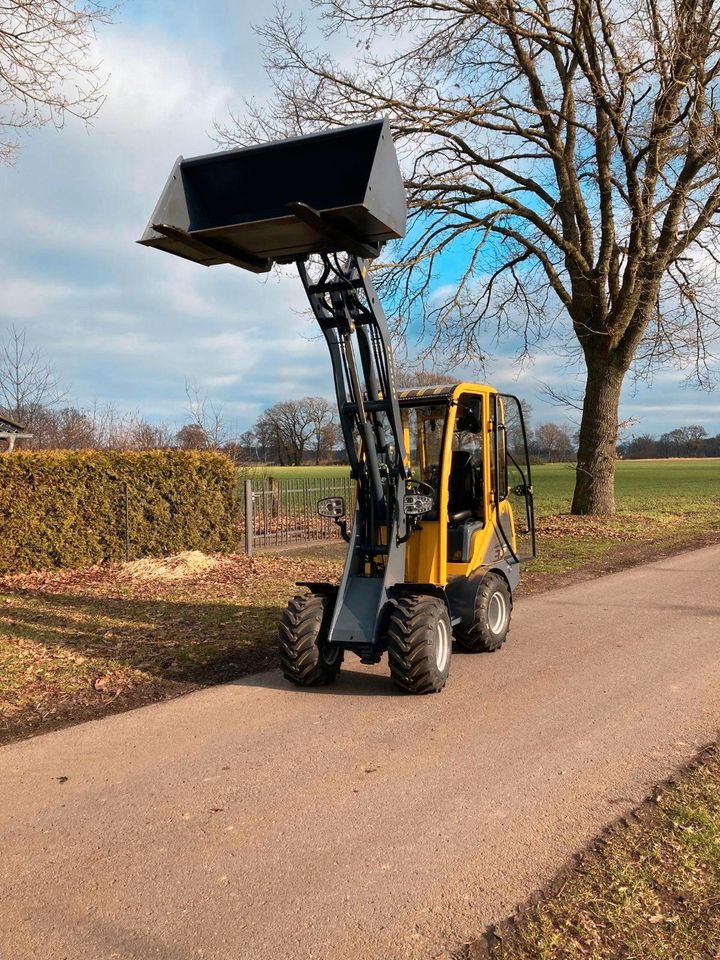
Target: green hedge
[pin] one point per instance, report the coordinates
(67, 508)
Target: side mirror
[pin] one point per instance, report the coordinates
(332, 507)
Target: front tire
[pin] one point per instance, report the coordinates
(306, 657)
(493, 606)
(419, 640)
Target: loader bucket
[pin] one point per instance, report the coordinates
(280, 201)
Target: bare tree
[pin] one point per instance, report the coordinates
(244, 450)
(268, 435)
(552, 442)
(192, 437)
(113, 429)
(149, 436)
(287, 430)
(290, 424)
(327, 443)
(643, 447)
(691, 441)
(46, 70)
(66, 428)
(322, 414)
(684, 441)
(515, 436)
(28, 381)
(205, 416)
(567, 153)
(100, 427)
(249, 443)
(410, 375)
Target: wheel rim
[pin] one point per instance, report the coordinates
(497, 612)
(330, 653)
(442, 646)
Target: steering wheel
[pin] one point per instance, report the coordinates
(424, 489)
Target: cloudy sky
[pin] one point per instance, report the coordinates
(131, 325)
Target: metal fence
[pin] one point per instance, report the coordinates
(281, 512)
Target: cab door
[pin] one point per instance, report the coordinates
(512, 481)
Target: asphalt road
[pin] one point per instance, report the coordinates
(258, 821)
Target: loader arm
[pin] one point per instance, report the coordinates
(348, 310)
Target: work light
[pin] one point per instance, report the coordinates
(417, 503)
(333, 507)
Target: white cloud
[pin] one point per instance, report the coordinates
(120, 321)
(24, 299)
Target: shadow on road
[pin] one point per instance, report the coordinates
(354, 680)
(169, 640)
(164, 638)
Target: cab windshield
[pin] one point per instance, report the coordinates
(425, 425)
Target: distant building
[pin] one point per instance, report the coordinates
(10, 432)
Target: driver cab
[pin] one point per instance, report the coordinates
(446, 439)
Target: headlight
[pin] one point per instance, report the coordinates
(417, 503)
(333, 507)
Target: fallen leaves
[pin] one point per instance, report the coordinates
(602, 528)
(214, 577)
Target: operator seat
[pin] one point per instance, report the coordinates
(464, 507)
(462, 489)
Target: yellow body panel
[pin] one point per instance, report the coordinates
(483, 551)
(426, 553)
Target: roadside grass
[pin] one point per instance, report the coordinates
(661, 505)
(650, 889)
(77, 644)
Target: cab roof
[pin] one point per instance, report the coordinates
(442, 393)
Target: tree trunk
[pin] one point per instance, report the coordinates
(595, 478)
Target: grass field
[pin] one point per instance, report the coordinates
(291, 473)
(659, 502)
(664, 483)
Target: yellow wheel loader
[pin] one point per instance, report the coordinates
(443, 512)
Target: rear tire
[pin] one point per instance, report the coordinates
(419, 641)
(306, 657)
(493, 606)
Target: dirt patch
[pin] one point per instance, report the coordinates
(218, 576)
(79, 644)
(567, 525)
